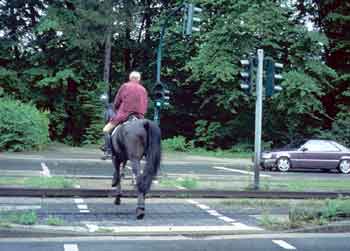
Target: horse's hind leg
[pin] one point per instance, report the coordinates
(116, 179)
(140, 209)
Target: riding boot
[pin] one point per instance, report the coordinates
(109, 144)
(107, 147)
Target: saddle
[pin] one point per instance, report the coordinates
(131, 118)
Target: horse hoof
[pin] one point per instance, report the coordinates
(114, 182)
(117, 200)
(140, 213)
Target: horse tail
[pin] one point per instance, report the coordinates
(153, 156)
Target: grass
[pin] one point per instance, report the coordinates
(38, 182)
(54, 221)
(307, 185)
(308, 213)
(105, 230)
(256, 203)
(213, 153)
(189, 183)
(23, 218)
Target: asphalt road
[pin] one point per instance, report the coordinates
(320, 242)
(97, 168)
(166, 216)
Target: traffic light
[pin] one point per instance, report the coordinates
(191, 19)
(247, 74)
(273, 74)
(161, 94)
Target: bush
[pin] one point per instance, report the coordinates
(177, 143)
(22, 126)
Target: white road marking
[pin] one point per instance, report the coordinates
(237, 225)
(192, 202)
(204, 207)
(227, 219)
(71, 247)
(214, 213)
(92, 227)
(45, 172)
(82, 206)
(238, 171)
(284, 244)
(79, 201)
(180, 187)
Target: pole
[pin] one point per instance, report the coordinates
(258, 118)
(159, 56)
(156, 115)
(107, 64)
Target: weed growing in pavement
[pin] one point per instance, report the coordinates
(189, 183)
(105, 230)
(54, 221)
(51, 182)
(273, 223)
(39, 182)
(257, 203)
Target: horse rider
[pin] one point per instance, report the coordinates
(131, 99)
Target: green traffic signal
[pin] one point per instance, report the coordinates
(191, 19)
(247, 75)
(273, 74)
(161, 94)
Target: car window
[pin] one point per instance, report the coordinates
(341, 147)
(320, 146)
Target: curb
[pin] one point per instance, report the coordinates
(14, 230)
(336, 227)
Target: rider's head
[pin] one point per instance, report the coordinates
(135, 76)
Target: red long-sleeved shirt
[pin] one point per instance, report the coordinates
(132, 97)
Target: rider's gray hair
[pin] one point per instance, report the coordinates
(135, 75)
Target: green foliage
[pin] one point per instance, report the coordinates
(54, 221)
(177, 143)
(340, 130)
(207, 132)
(22, 126)
(24, 218)
(49, 182)
(189, 183)
(52, 55)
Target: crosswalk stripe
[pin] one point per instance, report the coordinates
(71, 247)
(238, 171)
(284, 244)
(45, 172)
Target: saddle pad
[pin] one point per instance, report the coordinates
(132, 118)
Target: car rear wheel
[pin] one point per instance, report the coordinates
(283, 164)
(344, 166)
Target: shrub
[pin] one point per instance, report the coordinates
(177, 143)
(22, 126)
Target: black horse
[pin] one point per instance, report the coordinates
(132, 141)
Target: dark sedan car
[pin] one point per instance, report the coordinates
(313, 153)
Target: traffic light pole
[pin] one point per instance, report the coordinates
(258, 118)
(159, 56)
